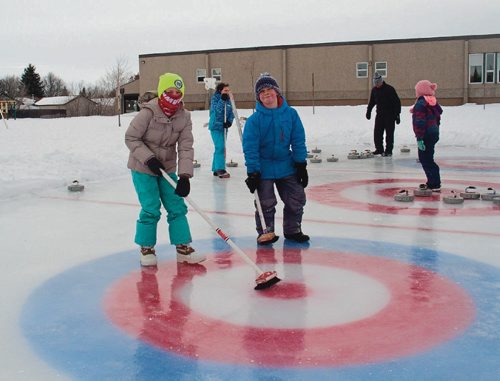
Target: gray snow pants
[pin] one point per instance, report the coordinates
(293, 196)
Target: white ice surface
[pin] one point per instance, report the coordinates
(45, 230)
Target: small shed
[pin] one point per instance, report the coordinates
(66, 106)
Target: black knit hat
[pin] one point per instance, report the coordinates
(265, 81)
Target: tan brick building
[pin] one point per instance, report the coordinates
(466, 68)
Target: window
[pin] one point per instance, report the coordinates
(200, 75)
(475, 68)
(217, 74)
(381, 68)
(362, 70)
(498, 67)
(489, 63)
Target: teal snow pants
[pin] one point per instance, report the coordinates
(153, 191)
(219, 161)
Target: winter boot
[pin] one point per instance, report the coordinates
(148, 256)
(267, 238)
(297, 237)
(186, 254)
(377, 152)
(222, 173)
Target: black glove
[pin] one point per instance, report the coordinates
(253, 181)
(227, 124)
(155, 165)
(182, 189)
(301, 174)
(224, 97)
(397, 119)
(368, 115)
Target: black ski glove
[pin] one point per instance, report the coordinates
(253, 181)
(301, 174)
(227, 124)
(398, 120)
(182, 189)
(368, 115)
(155, 165)
(224, 97)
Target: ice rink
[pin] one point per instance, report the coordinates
(385, 290)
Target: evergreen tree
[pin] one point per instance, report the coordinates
(32, 82)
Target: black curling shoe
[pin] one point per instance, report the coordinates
(297, 237)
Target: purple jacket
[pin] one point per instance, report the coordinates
(425, 116)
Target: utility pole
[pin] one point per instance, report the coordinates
(313, 93)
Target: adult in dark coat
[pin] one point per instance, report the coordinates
(388, 110)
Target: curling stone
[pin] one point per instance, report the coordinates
(422, 191)
(405, 149)
(353, 155)
(196, 164)
(470, 193)
(489, 195)
(332, 159)
(75, 186)
(369, 154)
(496, 200)
(232, 163)
(316, 150)
(403, 196)
(453, 199)
(309, 155)
(315, 159)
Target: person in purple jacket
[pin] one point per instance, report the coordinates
(426, 120)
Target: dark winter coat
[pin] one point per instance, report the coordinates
(170, 140)
(425, 117)
(217, 106)
(273, 141)
(387, 101)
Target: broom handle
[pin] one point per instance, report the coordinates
(1, 113)
(256, 193)
(218, 230)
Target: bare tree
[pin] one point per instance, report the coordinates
(12, 86)
(117, 76)
(76, 88)
(54, 86)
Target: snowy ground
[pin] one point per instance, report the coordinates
(38, 154)
(58, 246)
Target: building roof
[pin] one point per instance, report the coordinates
(55, 101)
(313, 45)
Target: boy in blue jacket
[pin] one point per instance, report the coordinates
(274, 146)
(221, 118)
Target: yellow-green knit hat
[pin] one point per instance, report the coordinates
(168, 80)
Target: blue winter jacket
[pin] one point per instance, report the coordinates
(273, 140)
(217, 105)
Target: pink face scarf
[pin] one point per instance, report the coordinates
(170, 102)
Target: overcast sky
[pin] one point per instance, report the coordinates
(80, 40)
